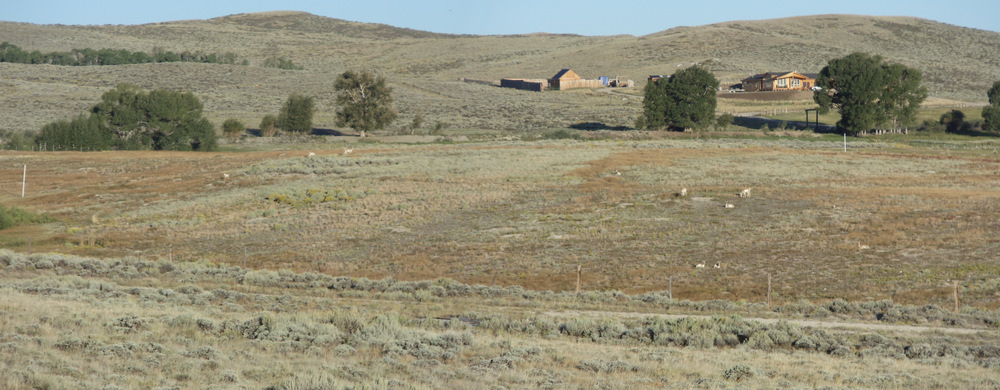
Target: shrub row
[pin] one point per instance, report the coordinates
(388, 288)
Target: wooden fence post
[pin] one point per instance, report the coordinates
(670, 288)
(768, 291)
(579, 273)
(956, 296)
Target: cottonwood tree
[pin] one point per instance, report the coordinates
(991, 113)
(683, 101)
(365, 101)
(869, 93)
(130, 118)
(296, 115)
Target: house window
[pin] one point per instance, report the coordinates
(782, 83)
(796, 83)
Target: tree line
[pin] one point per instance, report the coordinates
(130, 118)
(91, 57)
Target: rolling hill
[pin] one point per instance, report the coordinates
(424, 67)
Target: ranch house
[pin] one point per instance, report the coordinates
(779, 81)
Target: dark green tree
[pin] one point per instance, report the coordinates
(953, 121)
(159, 119)
(683, 101)
(869, 93)
(296, 115)
(365, 101)
(129, 118)
(653, 105)
(991, 113)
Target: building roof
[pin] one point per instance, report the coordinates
(566, 73)
(778, 75)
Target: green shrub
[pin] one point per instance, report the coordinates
(738, 373)
(232, 128)
(14, 216)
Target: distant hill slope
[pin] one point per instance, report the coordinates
(957, 62)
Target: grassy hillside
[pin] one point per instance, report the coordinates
(958, 63)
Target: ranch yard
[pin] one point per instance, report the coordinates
(891, 218)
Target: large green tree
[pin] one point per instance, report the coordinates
(869, 93)
(991, 113)
(365, 101)
(685, 100)
(296, 115)
(130, 118)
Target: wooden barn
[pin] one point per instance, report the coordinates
(568, 79)
(779, 81)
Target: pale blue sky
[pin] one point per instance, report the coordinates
(636, 17)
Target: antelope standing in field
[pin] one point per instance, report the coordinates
(617, 172)
(684, 191)
(311, 154)
(717, 265)
(348, 151)
(225, 176)
(745, 193)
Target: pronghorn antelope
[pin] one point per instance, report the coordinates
(745, 193)
(730, 206)
(684, 191)
(717, 265)
(617, 172)
(699, 265)
(225, 176)
(348, 151)
(311, 154)
(862, 247)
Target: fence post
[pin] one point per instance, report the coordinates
(768, 290)
(670, 288)
(579, 272)
(956, 296)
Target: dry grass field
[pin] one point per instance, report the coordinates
(528, 212)
(449, 260)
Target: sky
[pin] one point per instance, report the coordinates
(584, 17)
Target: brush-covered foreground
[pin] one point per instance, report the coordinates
(76, 322)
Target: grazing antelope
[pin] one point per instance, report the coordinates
(225, 176)
(684, 191)
(745, 193)
(730, 206)
(348, 151)
(311, 154)
(699, 265)
(717, 265)
(617, 172)
(862, 247)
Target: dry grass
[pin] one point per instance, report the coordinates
(528, 213)
(130, 323)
